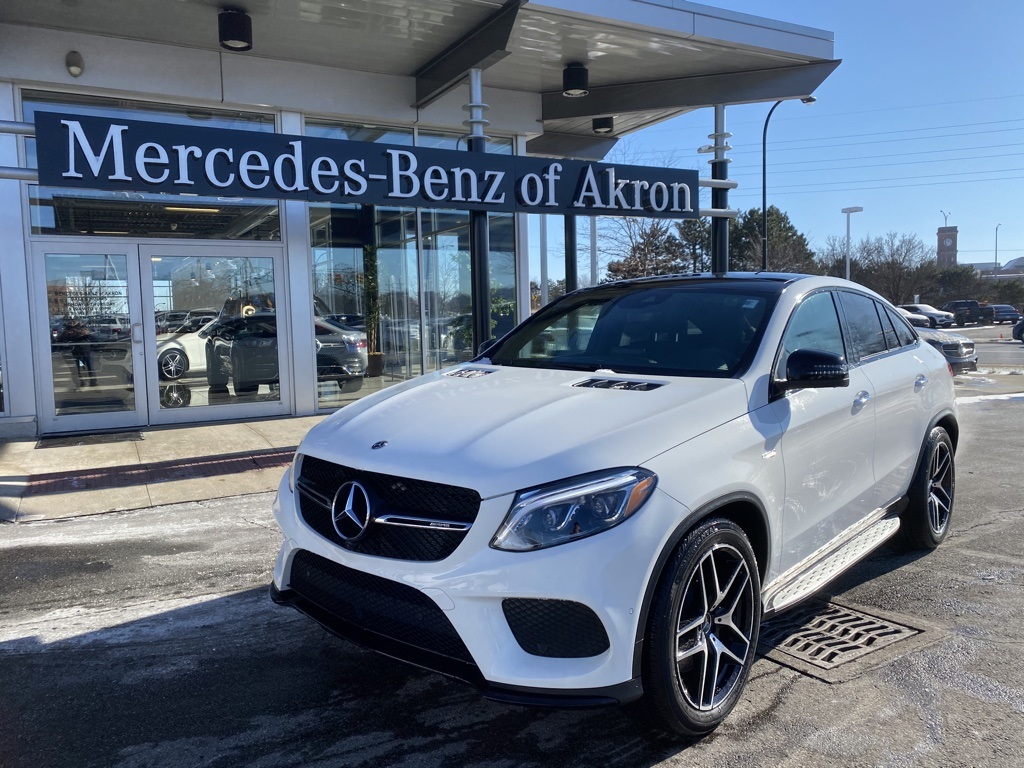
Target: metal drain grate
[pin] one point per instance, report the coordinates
(826, 635)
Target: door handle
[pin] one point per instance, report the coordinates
(862, 399)
(136, 339)
(920, 382)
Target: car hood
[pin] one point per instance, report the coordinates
(944, 337)
(513, 428)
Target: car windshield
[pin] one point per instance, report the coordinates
(676, 330)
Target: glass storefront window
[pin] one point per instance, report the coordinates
(78, 212)
(215, 325)
(401, 276)
(365, 285)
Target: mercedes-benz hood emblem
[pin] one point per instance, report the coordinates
(350, 511)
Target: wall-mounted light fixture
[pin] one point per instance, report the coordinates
(575, 80)
(74, 63)
(603, 124)
(235, 29)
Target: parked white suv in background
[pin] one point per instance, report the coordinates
(607, 502)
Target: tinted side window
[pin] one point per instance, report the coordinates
(904, 335)
(814, 325)
(865, 326)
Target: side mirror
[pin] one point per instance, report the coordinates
(813, 368)
(485, 345)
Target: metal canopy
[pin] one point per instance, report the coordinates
(692, 92)
(483, 46)
(648, 60)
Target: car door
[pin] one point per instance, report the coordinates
(900, 379)
(827, 442)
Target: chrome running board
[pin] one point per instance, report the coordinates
(819, 572)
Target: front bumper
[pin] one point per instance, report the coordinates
(963, 366)
(462, 671)
(452, 615)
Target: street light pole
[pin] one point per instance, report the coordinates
(764, 181)
(848, 211)
(997, 245)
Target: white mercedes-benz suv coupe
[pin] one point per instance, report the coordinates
(605, 504)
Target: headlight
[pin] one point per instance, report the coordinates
(573, 509)
(293, 471)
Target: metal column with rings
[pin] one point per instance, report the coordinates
(720, 195)
(480, 237)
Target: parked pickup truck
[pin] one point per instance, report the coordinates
(968, 311)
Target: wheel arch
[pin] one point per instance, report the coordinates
(947, 420)
(949, 423)
(743, 509)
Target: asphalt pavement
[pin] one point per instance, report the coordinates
(146, 638)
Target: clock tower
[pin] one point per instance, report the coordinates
(947, 248)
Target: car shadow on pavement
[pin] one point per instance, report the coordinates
(234, 680)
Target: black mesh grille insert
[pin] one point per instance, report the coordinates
(382, 606)
(319, 481)
(555, 628)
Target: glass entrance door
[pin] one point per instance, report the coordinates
(89, 337)
(129, 335)
(215, 332)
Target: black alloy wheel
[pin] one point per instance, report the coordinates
(926, 520)
(703, 631)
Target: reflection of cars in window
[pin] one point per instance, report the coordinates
(182, 350)
(200, 316)
(167, 321)
(606, 503)
(244, 350)
(331, 334)
(108, 327)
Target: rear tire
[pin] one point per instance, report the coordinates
(216, 376)
(926, 520)
(703, 630)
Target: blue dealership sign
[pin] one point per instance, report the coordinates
(81, 151)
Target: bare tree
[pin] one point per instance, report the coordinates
(893, 265)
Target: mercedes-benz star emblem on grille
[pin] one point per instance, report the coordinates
(350, 511)
(381, 444)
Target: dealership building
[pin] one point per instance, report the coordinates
(215, 212)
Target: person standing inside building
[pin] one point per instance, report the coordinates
(78, 339)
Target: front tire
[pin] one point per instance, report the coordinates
(702, 635)
(172, 365)
(925, 522)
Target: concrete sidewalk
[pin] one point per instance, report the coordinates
(54, 478)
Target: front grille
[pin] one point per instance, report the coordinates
(372, 604)
(555, 628)
(958, 349)
(319, 481)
